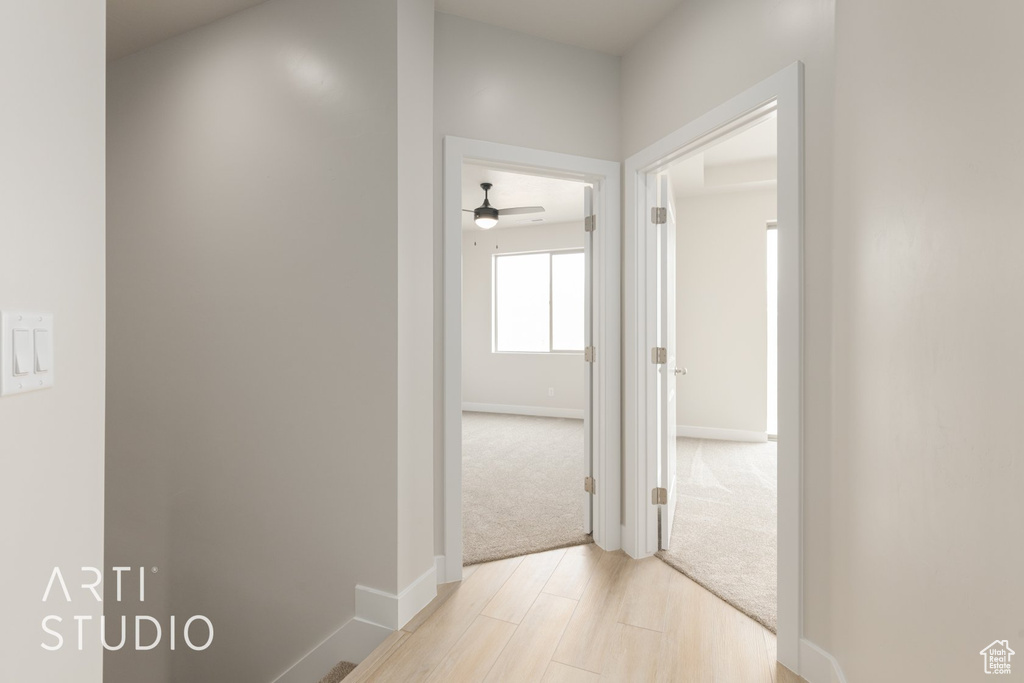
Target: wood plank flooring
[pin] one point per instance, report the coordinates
(577, 615)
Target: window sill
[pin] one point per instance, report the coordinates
(537, 353)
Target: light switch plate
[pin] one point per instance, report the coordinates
(25, 322)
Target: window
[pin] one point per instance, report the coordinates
(539, 301)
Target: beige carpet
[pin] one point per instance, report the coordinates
(340, 670)
(725, 531)
(522, 479)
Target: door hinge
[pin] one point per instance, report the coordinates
(659, 215)
(659, 355)
(590, 223)
(659, 496)
(590, 354)
(590, 485)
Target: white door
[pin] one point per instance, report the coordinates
(588, 367)
(667, 371)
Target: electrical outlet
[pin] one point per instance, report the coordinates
(551, 391)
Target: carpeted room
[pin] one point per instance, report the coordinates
(521, 473)
(517, 471)
(523, 367)
(725, 535)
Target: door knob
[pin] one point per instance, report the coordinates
(681, 371)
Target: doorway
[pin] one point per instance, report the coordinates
(599, 489)
(651, 489)
(525, 377)
(719, 522)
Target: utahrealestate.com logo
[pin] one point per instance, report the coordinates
(192, 632)
(997, 657)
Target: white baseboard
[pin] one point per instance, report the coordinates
(353, 642)
(536, 411)
(818, 666)
(394, 611)
(721, 434)
(378, 614)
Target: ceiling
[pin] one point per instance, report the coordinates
(561, 199)
(610, 26)
(136, 24)
(745, 161)
(757, 142)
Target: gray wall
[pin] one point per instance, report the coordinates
(929, 364)
(255, 245)
(415, 488)
(52, 68)
(501, 86)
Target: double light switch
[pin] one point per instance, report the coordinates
(26, 347)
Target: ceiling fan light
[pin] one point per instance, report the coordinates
(485, 216)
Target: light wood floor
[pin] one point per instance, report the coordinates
(576, 615)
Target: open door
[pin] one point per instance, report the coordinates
(667, 370)
(588, 364)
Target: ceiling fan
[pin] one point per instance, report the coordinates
(486, 216)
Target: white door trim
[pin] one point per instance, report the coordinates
(607, 326)
(782, 92)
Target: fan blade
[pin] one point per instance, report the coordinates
(520, 209)
(469, 210)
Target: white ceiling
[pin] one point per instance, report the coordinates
(561, 199)
(136, 24)
(758, 142)
(611, 26)
(745, 161)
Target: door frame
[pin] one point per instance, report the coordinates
(607, 395)
(783, 93)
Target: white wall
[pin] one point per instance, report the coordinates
(512, 379)
(497, 85)
(52, 67)
(929, 368)
(697, 58)
(262, 273)
(722, 317)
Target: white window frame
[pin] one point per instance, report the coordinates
(551, 303)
